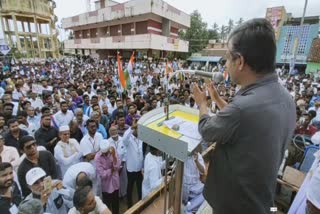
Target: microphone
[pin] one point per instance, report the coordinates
(217, 77)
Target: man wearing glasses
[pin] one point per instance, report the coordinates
(253, 130)
(34, 158)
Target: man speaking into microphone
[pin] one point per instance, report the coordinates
(253, 130)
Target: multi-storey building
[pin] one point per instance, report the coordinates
(150, 27)
(297, 39)
(215, 48)
(29, 26)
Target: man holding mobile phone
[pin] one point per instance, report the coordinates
(53, 196)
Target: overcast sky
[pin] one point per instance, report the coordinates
(219, 11)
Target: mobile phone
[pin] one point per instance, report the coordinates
(47, 183)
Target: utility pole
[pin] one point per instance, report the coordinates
(296, 45)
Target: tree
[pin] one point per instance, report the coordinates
(239, 22)
(197, 34)
(223, 32)
(230, 26)
(213, 33)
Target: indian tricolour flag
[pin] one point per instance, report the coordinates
(130, 65)
(121, 74)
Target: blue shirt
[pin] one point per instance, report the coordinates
(313, 100)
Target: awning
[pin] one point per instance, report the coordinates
(204, 58)
(312, 67)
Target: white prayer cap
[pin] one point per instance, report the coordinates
(34, 174)
(64, 128)
(104, 146)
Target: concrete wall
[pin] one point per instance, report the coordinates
(142, 41)
(129, 9)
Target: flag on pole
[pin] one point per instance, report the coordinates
(130, 65)
(128, 79)
(121, 74)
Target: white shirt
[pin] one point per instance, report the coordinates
(31, 129)
(100, 207)
(313, 191)
(69, 178)
(10, 154)
(16, 94)
(134, 151)
(152, 173)
(120, 147)
(37, 103)
(62, 119)
(90, 145)
(191, 173)
(15, 108)
(67, 154)
(35, 120)
(111, 109)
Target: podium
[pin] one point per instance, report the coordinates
(178, 142)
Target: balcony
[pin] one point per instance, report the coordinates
(141, 41)
(27, 6)
(128, 10)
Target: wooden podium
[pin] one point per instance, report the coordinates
(177, 143)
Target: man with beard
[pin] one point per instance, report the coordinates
(81, 120)
(42, 159)
(7, 111)
(112, 104)
(121, 125)
(86, 103)
(46, 135)
(120, 108)
(64, 116)
(14, 134)
(90, 143)
(94, 101)
(10, 196)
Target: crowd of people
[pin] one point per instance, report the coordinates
(68, 133)
(69, 139)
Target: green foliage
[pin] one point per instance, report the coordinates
(199, 34)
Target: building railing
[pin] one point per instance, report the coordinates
(140, 41)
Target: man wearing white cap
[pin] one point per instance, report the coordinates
(67, 151)
(108, 165)
(56, 199)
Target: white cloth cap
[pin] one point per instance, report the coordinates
(104, 146)
(64, 128)
(34, 174)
